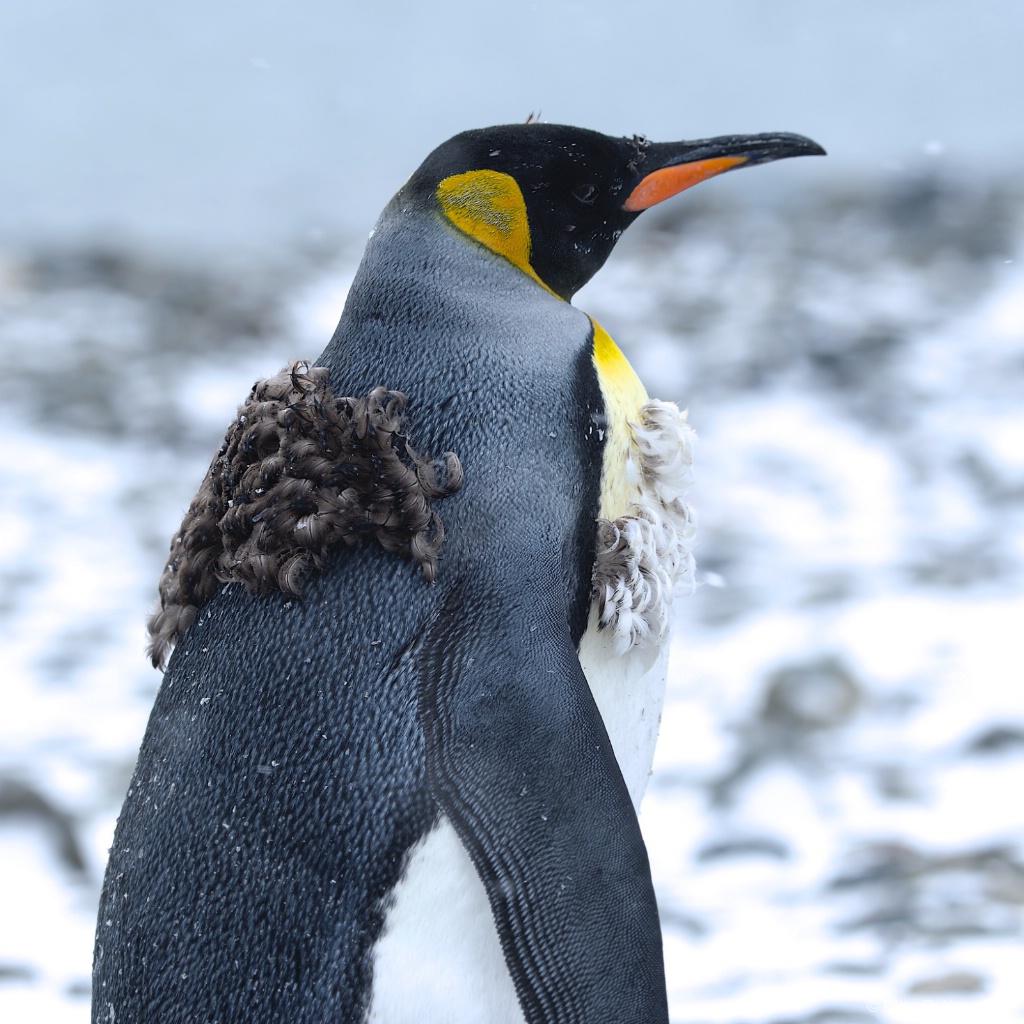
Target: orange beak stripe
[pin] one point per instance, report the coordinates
(669, 181)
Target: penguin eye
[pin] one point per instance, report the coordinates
(586, 194)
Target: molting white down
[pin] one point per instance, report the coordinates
(644, 556)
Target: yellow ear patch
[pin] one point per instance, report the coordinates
(489, 206)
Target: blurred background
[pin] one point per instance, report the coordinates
(835, 817)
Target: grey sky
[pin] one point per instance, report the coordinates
(230, 123)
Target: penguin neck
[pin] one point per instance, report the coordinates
(418, 270)
(428, 300)
(417, 259)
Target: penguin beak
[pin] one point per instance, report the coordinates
(672, 167)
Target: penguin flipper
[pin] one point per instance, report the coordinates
(520, 762)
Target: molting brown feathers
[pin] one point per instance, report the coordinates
(300, 473)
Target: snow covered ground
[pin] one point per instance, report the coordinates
(835, 820)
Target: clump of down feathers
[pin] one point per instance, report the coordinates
(301, 472)
(643, 557)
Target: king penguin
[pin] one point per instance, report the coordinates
(418, 613)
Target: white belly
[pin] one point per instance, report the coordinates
(629, 690)
(439, 960)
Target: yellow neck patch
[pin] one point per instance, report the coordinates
(489, 206)
(624, 397)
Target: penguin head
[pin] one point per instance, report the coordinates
(554, 200)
